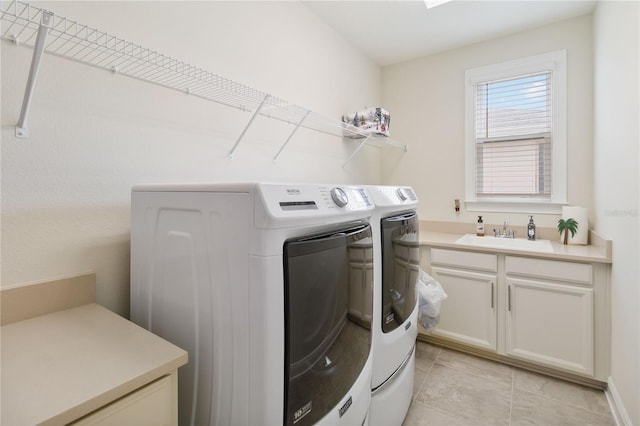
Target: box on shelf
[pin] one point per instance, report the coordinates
(370, 121)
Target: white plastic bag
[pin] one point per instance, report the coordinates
(430, 296)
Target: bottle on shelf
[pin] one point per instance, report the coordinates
(531, 229)
(480, 227)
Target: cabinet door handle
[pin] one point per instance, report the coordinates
(509, 297)
(492, 294)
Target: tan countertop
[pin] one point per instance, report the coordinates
(599, 252)
(63, 365)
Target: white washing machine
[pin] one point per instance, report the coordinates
(270, 289)
(397, 265)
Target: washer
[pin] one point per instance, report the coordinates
(397, 265)
(269, 287)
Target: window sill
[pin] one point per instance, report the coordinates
(528, 207)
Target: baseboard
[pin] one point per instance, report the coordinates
(531, 366)
(620, 414)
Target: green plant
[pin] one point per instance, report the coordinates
(566, 226)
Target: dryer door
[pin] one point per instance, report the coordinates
(400, 268)
(328, 309)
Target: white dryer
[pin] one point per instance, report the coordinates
(269, 287)
(397, 265)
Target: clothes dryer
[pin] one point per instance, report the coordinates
(270, 289)
(397, 265)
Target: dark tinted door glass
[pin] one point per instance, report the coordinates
(328, 302)
(400, 267)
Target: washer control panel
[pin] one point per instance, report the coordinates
(388, 196)
(347, 198)
(304, 200)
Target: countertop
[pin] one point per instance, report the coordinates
(63, 365)
(599, 253)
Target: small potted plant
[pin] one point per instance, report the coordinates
(566, 226)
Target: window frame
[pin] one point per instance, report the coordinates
(556, 62)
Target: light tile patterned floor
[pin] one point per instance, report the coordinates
(452, 388)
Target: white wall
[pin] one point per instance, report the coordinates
(66, 189)
(426, 100)
(617, 184)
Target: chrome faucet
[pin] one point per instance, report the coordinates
(506, 232)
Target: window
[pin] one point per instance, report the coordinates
(515, 135)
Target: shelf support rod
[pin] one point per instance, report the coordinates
(291, 135)
(255, 113)
(353, 154)
(21, 128)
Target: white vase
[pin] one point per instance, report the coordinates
(579, 214)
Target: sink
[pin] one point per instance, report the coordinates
(505, 243)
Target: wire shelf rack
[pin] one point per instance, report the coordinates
(35, 27)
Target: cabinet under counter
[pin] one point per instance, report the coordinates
(550, 315)
(85, 360)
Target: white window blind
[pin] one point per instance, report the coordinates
(513, 136)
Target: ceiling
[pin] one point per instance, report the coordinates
(395, 31)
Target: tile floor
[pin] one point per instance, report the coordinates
(452, 388)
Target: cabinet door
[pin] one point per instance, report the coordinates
(468, 315)
(153, 404)
(551, 324)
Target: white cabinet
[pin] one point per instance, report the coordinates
(550, 316)
(550, 324)
(85, 365)
(469, 313)
(550, 313)
(154, 404)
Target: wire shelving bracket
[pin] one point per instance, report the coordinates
(46, 32)
(291, 135)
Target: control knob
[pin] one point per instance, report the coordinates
(339, 197)
(400, 193)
